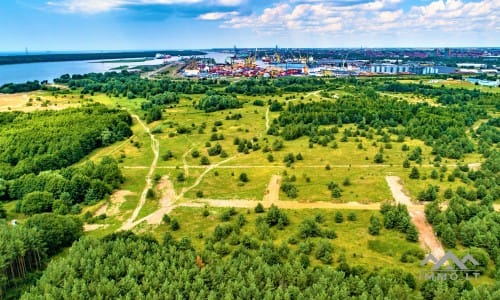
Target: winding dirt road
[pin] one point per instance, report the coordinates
(155, 147)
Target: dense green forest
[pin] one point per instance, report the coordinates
(50, 140)
(124, 265)
(26, 249)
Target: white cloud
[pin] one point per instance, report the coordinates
(213, 16)
(323, 17)
(230, 2)
(100, 6)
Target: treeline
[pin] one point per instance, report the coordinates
(213, 102)
(50, 140)
(11, 88)
(472, 224)
(64, 190)
(26, 248)
(34, 58)
(131, 85)
(445, 129)
(125, 265)
(268, 86)
(443, 95)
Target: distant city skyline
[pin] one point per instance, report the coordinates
(72, 25)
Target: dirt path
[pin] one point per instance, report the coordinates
(155, 147)
(92, 227)
(396, 188)
(267, 119)
(348, 166)
(281, 204)
(166, 203)
(272, 194)
(200, 178)
(184, 162)
(426, 236)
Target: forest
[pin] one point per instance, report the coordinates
(305, 131)
(67, 136)
(125, 265)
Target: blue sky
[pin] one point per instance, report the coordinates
(194, 24)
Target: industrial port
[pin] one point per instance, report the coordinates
(277, 62)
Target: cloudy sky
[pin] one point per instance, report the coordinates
(195, 24)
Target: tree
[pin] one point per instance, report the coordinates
(259, 208)
(374, 228)
(448, 236)
(37, 202)
(309, 228)
(352, 216)
(3, 212)
(339, 217)
(181, 177)
(411, 233)
(204, 161)
(174, 224)
(414, 174)
(406, 163)
(243, 177)
(57, 231)
(379, 158)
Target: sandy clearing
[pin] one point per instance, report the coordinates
(92, 227)
(115, 201)
(166, 203)
(272, 193)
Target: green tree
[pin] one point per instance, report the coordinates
(411, 233)
(414, 174)
(375, 226)
(37, 202)
(243, 177)
(259, 208)
(339, 217)
(57, 231)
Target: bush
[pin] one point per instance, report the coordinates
(174, 225)
(259, 208)
(199, 194)
(37, 202)
(330, 234)
(243, 177)
(339, 217)
(195, 154)
(204, 161)
(374, 228)
(309, 228)
(150, 194)
(352, 216)
(166, 219)
(289, 189)
(414, 174)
